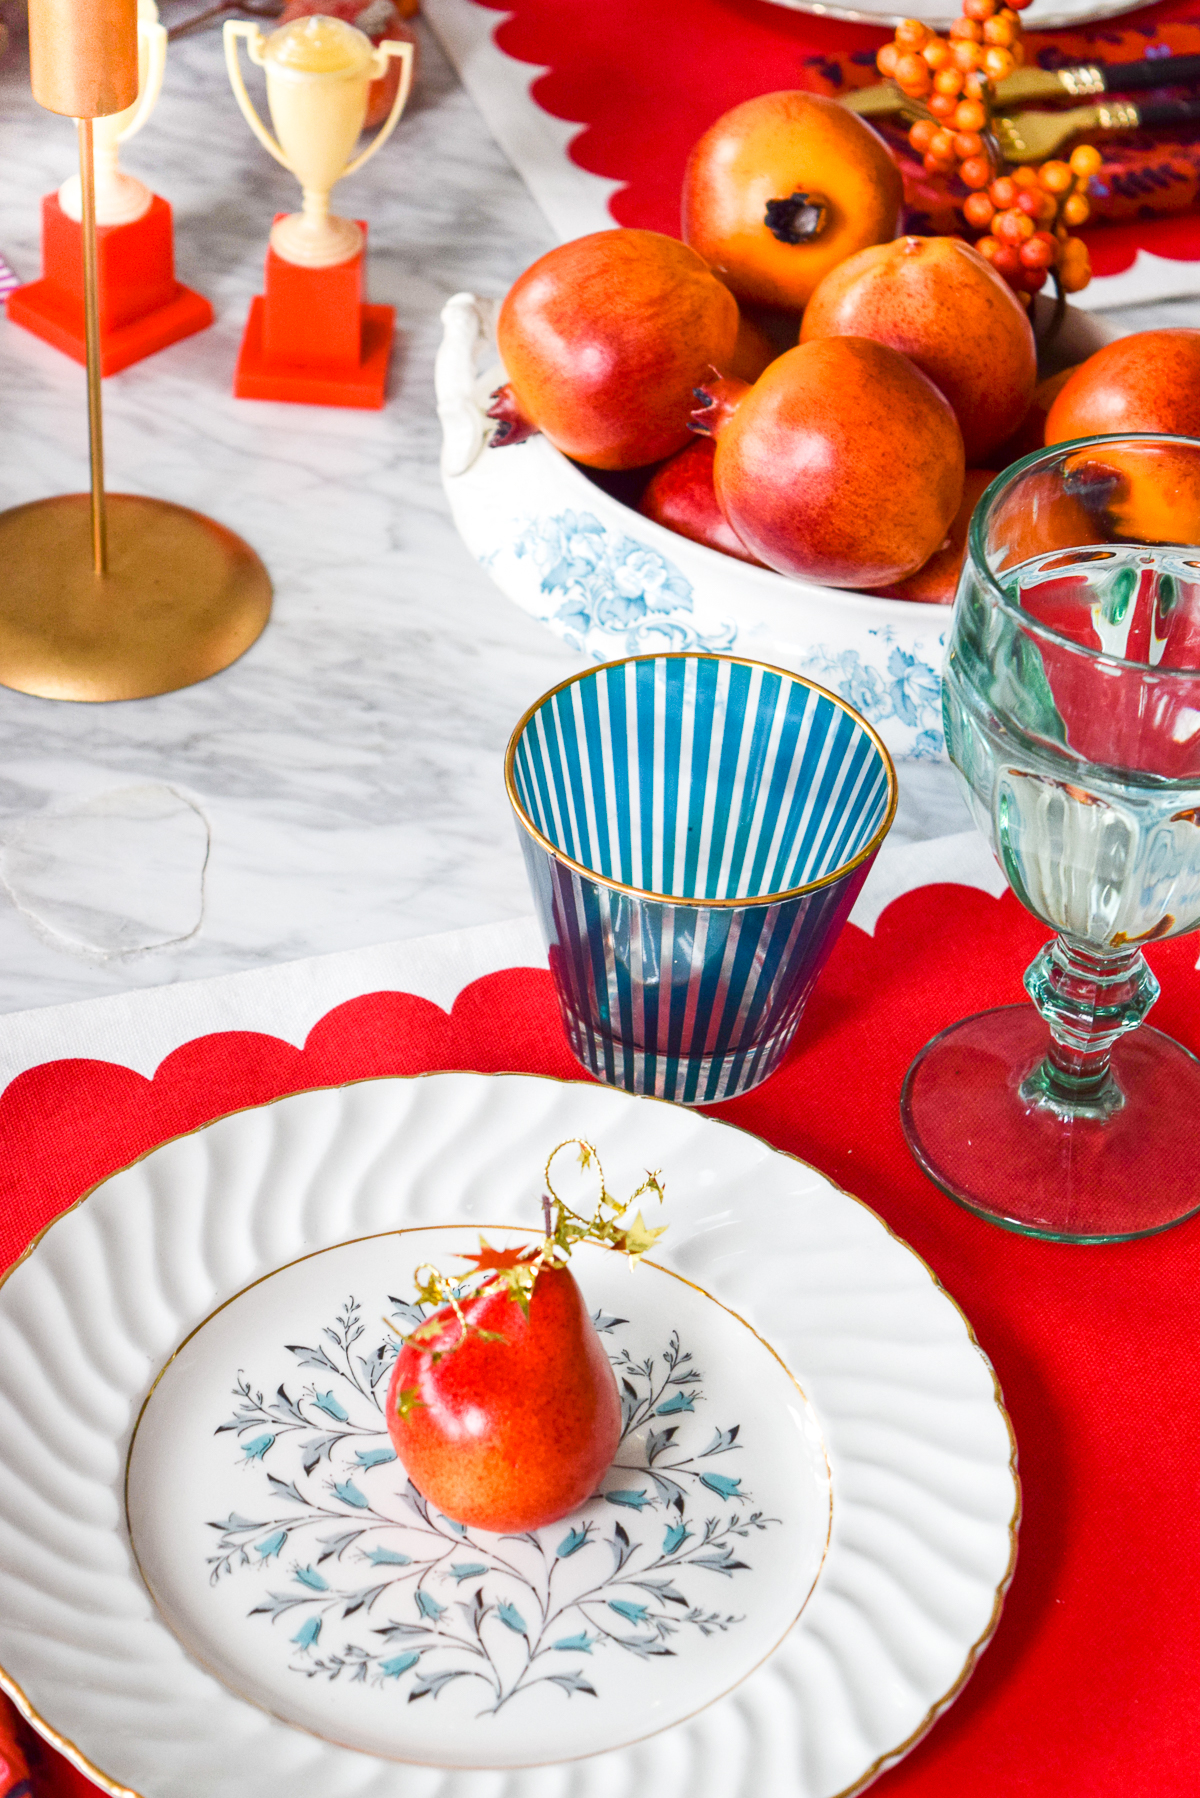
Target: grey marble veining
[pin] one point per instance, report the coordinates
(348, 769)
(349, 766)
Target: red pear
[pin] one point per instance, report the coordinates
(512, 1424)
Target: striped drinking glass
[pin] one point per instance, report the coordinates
(696, 829)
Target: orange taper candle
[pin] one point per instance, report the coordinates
(83, 56)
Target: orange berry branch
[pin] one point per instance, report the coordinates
(1023, 216)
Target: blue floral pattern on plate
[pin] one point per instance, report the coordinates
(376, 1586)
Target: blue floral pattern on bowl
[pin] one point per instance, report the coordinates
(610, 595)
(909, 690)
(375, 1586)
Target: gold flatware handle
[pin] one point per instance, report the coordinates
(1023, 84)
(1033, 136)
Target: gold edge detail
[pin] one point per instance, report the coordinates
(74, 1754)
(617, 886)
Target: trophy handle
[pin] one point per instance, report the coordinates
(234, 29)
(389, 48)
(155, 36)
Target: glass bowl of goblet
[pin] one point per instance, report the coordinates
(1071, 695)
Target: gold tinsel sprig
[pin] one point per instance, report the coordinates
(515, 1271)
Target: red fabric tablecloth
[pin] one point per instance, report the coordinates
(1090, 1686)
(647, 77)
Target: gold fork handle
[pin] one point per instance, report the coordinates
(1113, 115)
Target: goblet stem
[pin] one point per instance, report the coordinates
(1089, 998)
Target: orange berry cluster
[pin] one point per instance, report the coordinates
(949, 77)
(1027, 218)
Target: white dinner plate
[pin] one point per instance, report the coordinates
(831, 1475)
(1042, 15)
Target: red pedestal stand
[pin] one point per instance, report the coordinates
(143, 308)
(311, 339)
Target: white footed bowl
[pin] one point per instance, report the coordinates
(611, 583)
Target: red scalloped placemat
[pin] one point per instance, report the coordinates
(1089, 1687)
(646, 80)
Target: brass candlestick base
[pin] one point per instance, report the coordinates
(181, 598)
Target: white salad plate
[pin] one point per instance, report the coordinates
(1042, 15)
(215, 1577)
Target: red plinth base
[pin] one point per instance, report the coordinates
(143, 308)
(310, 338)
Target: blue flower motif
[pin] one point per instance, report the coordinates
(349, 1494)
(625, 1607)
(377, 1628)
(634, 1501)
(399, 1663)
(720, 1483)
(374, 1457)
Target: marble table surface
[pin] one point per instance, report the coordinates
(342, 784)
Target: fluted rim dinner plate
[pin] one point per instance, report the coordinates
(1042, 15)
(817, 1462)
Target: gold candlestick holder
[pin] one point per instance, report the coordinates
(111, 595)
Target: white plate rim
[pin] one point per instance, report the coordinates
(10, 1686)
(1061, 18)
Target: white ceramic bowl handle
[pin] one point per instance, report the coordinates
(466, 324)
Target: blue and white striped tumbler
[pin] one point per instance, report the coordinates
(696, 830)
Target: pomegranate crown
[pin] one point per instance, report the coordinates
(515, 1271)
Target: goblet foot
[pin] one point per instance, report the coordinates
(978, 1121)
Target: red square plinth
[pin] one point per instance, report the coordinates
(143, 308)
(311, 339)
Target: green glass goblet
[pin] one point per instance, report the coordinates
(1072, 711)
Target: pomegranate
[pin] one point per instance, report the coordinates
(1149, 381)
(605, 339)
(843, 464)
(936, 582)
(784, 187)
(681, 496)
(937, 301)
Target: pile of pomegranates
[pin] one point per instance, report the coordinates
(800, 387)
